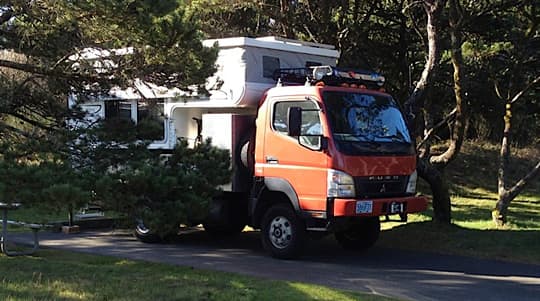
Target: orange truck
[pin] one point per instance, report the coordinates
(329, 156)
(315, 150)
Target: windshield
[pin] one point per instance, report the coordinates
(366, 123)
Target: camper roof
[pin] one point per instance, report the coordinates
(276, 43)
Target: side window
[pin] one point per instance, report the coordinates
(149, 125)
(270, 65)
(118, 123)
(117, 109)
(312, 64)
(310, 118)
(150, 120)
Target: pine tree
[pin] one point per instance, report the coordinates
(42, 59)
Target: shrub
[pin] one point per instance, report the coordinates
(164, 190)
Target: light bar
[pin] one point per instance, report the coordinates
(331, 76)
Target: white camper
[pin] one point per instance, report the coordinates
(245, 70)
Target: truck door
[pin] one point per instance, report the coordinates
(286, 160)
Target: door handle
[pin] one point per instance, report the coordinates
(271, 160)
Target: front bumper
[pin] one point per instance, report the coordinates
(378, 207)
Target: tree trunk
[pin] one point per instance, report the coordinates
(70, 215)
(506, 195)
(435, 179)
(458, 128)
(433, 9)
(499, 214)
(423, 148)
(441, 196)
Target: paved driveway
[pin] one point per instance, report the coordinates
(402, 274)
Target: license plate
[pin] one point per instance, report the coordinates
(364, 207)
(397, 207)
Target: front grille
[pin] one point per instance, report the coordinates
(380, 186)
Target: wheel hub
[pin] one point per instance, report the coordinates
(280, 232)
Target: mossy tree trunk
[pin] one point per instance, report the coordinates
(431, 168)
(507, 194)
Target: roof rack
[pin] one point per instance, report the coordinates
(331, 76)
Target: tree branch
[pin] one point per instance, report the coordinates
(518, 187)
(14, 130)
(520, 93)
(53, 72)
(431, 131)
(311, 35)
(497, 90)
(32, 122)
(369, 13)
(496, 7)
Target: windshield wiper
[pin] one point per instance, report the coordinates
(394, 138)
(370, 138)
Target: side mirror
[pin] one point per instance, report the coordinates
(295, 121)
(316, 143)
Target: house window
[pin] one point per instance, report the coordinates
(270, 65)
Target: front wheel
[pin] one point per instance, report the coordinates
(360, 235)
(145, 234)
(283, 234)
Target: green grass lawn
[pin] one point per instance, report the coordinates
(58, 275)
(473, 178)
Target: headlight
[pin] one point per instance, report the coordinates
(340, 184)
(411, 185)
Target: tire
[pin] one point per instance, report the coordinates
(145, 234)
(283, 234)
(221, 230)
(225, 218)
(360, 235)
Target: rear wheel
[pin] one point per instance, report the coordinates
(226, 217)
(144, 233)
(283, 234)
(360, 235)
(224, 230)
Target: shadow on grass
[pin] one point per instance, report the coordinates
(522, 214)
(385, 266)
(477, 164)
(508, 245)
(59, 275)
(465, 192)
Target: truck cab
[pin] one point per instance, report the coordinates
(330, 158)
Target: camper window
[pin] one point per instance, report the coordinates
(312, 64)
(150, 120)
(270, 65)
(118, 109)
(149, 109)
